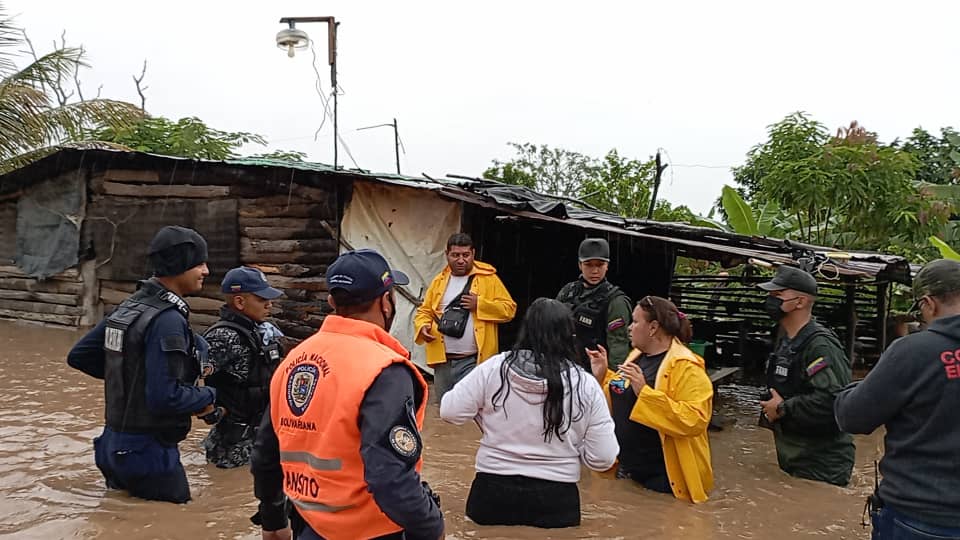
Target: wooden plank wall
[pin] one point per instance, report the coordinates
(56, 300)
(291, 237)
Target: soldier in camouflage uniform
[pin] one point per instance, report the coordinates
(244, 351)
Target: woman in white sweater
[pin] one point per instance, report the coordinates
(541, 416)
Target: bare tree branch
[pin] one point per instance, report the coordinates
(76, 75)
(33, 53)
(140, 89)
(63, 97)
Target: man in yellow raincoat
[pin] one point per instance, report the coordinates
(661, 427)
(473, 289)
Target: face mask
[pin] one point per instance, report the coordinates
(772, 306)
(388, 322)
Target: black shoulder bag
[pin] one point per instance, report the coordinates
(453, 322)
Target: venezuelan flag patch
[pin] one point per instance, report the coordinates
(816, 366)
(616, 323)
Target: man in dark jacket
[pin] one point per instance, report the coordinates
(148, 358)
(805, 372)
(914, 391)
(244, 351)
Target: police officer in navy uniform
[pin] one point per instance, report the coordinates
(601, 310)
(149, 360)
(244, 350)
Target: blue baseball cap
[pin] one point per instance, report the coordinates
(249, 280)
(364, 275)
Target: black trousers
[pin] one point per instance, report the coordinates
(520, 500)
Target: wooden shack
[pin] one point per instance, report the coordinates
(75, 225)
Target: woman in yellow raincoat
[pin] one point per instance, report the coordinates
(661, 400)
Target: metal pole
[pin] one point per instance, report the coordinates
(332, 27)
(396, 143)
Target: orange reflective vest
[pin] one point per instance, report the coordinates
(315, 398)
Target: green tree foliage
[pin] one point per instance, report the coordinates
(187, 137)
(613, 183)
(35, 114)
(846, 190)
(548, 170)
(938, 157)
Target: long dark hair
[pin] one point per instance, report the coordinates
(547, 333)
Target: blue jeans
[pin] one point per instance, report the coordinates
(888, 524)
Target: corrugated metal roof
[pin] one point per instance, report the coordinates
(523, 202)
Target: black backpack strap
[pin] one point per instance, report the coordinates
(456, 299)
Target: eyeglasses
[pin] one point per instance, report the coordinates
(790, 299)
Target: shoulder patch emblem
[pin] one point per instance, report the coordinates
(616, 323)
(301, 383)
(113, 339)
(403, 441)
(816, 366)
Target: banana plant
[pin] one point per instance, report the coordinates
(946, 251)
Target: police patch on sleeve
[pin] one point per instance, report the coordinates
(403, 441)
(301, 383)
(616, 323)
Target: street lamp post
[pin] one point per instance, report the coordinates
(292, 38)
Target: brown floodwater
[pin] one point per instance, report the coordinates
(50, 487)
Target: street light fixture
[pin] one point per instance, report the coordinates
(293, 38)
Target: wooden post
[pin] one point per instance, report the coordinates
(851, 338)
(883, 306)
(90, 294)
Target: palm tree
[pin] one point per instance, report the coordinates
(32, 120)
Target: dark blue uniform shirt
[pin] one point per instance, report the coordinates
(164, 394)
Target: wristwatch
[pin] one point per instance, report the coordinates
(782, 409)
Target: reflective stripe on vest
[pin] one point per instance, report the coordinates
(313, 461)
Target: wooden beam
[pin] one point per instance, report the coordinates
(248, 256)
(30, 284)
(66, 320)
(70, 274)
(50, 298)
(126, 286)
(291, 270)
(304, 224)
(40, 307)
(284, 211)
(162, 191)
(132, 176)
(305, 283)
(112, 296)
(287, 246)
(280, 233)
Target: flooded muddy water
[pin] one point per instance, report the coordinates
(50, 487)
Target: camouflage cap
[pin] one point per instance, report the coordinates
(937, 278)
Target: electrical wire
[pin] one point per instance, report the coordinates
(326, 106)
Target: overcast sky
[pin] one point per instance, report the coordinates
(701, 80)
